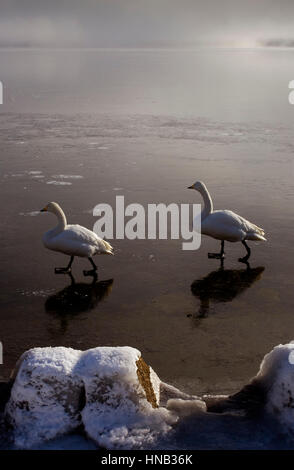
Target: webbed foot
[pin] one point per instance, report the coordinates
(62, 270)
(91, 272)
(216, 255)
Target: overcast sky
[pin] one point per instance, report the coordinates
(131, 23)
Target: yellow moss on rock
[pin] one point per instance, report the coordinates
(143, 372)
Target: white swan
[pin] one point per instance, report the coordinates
(73, 240)
(225, 225)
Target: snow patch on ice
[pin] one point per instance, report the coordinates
(31, 214)
(68, 176)
(35, 293)
(186, 407)
(59, 183)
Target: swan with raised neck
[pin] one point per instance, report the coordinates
(225, 225)
(208, 205)
(62, 222)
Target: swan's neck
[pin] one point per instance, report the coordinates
(62, 223)
(208, 206)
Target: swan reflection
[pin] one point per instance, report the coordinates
(78, 296)
(223, 285)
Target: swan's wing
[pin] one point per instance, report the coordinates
(228, 225)
(82, 241)
(253, 232)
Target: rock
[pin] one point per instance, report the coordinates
(276, 376)
(45, 397)
(121, 403)
(122, 397)
(111, 392)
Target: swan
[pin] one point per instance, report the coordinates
(225, 225)
(73, 240)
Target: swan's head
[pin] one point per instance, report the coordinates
(52, 207)
(198, 186)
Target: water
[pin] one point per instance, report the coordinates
(80, 127)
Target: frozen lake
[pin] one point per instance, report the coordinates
(79, 128)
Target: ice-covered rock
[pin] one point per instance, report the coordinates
(45, 397)
(276, 375)
(111, 391)
(122, 398)
(122, 404)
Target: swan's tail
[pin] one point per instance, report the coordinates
(108, 248)
(255, 233)
(255, 236)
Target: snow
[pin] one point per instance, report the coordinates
(68, 176)
(45, 396)
(59, 183)
(186, 407)
(276, 374)
(117, 414)
(120, 403)
(57, 389)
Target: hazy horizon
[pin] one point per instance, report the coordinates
(160, 23)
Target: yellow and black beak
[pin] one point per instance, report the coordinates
(190, 187)
(45, 209)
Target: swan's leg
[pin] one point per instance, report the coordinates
(221, 267)
(220, 255)
(245, 258)
(92, 272)
(71, 278)
(65, 270)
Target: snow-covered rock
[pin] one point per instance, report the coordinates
(45, 397)
(276, 375)
(110, 390)
(122, 404)
(122, 398)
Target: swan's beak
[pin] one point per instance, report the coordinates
(190, 187)
(44, 209)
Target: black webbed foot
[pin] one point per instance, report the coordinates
(91, 272)
(65, 270)
(62, 270)
(216, 255)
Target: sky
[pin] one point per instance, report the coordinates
(145, 23)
